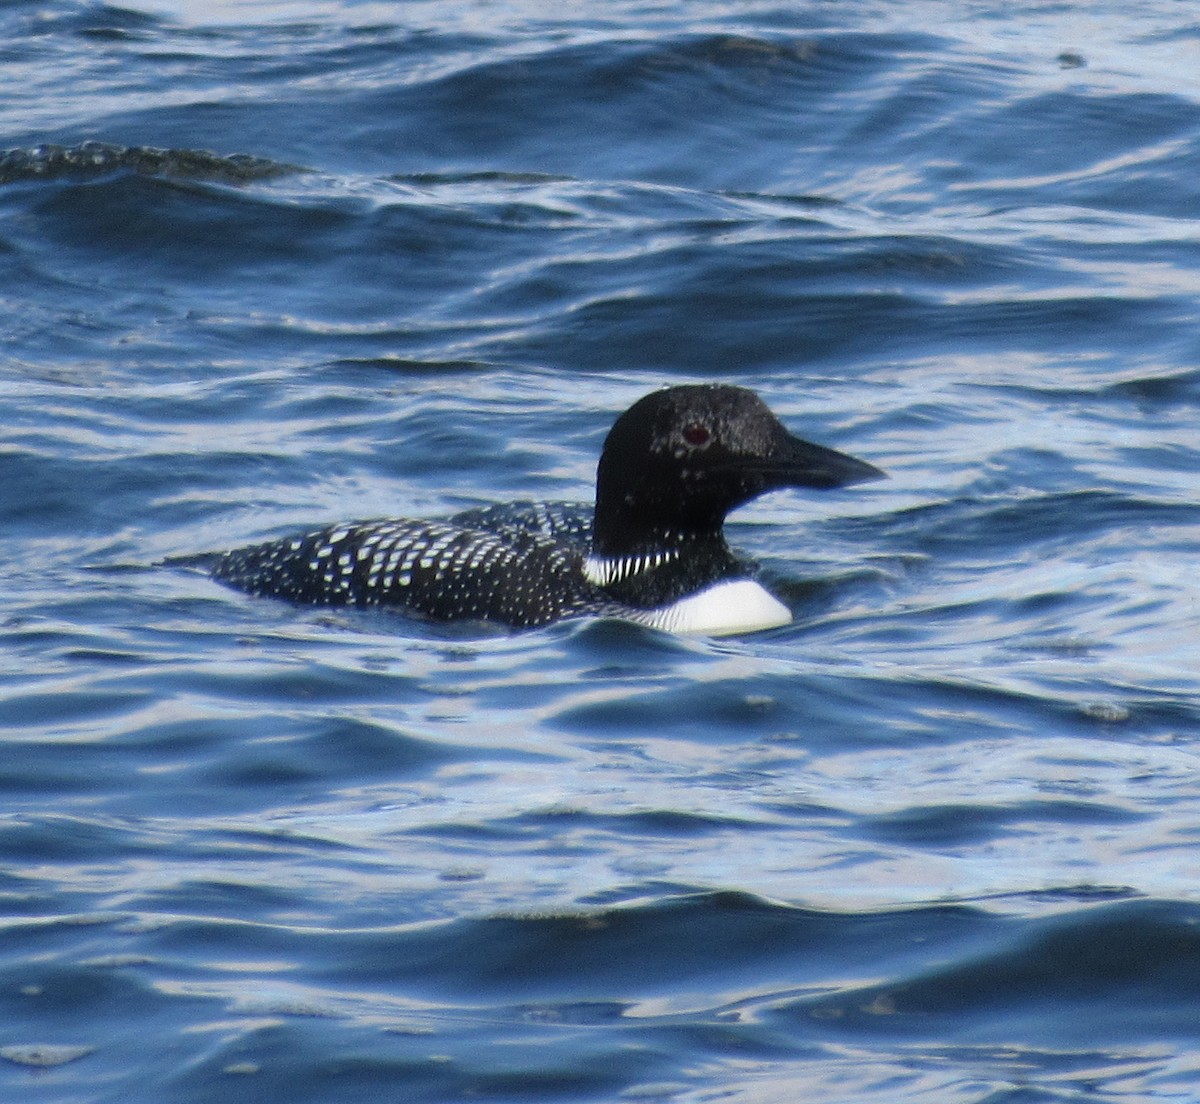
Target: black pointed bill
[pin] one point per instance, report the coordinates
(809, 465)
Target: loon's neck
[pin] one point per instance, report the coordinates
(656, 567)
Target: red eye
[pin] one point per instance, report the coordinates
(696, 435)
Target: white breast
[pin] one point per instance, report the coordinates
(725, 608)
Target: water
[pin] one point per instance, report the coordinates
(935, 841)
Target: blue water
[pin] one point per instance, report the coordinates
(270, 265)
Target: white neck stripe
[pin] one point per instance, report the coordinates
(602, 571)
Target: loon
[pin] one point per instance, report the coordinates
(652, 550)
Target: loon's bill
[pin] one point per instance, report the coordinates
(652, 550)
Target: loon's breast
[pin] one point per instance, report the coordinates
(727, 608)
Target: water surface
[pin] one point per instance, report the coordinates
(272, 265)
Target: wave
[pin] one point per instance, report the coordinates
(93, 159)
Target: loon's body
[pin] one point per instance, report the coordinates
(652, 550)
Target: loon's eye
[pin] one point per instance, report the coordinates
(696, 434)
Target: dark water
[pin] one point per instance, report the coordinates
(936, 841)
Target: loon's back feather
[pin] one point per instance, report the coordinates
(569, 522)
(441, 569)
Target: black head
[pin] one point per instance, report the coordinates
(680, 459)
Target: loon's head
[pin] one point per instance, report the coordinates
(677, 461)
